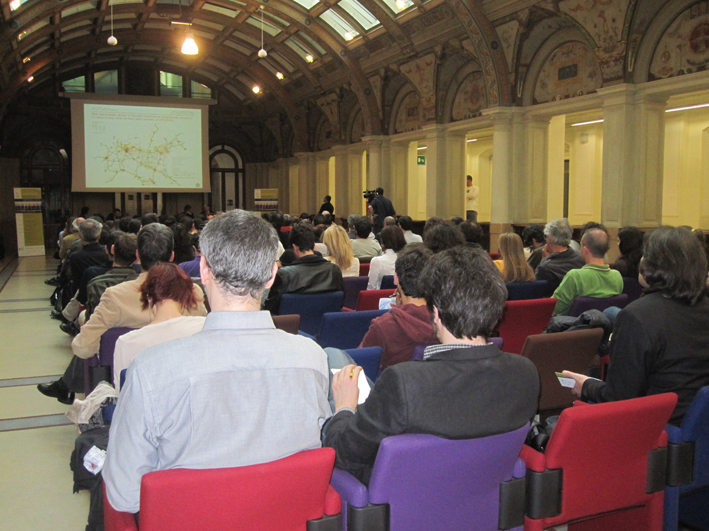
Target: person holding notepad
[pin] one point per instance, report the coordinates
(463, 389)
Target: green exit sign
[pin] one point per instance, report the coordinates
(421, 160)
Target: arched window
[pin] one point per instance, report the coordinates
(227, 178)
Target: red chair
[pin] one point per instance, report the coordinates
(522, 319)
(369, 299)
(363, 269)
(604, 468)
(286, 495)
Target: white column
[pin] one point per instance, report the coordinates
(445, 172)
(531, 203)
(342, 191)
(556, 143)
(306, 181)
(399, 173)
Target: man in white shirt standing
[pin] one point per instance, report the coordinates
(471, 200)
(237, 393)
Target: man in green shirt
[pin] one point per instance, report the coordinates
(595, 279)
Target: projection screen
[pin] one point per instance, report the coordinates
(125, 143)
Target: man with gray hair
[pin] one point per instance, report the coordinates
(240, 392)
(92, 253)
(559, 258)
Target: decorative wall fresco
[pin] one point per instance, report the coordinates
(421, 72)
(571, 70)
(684, 48)
(329, 104)
(408, 118)
(470, 99)
(603, 20)
(507, 33)
(357, 128)
(326, 136)
(376, 82)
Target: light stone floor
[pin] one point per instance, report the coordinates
(35, 479)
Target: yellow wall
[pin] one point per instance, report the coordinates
(585, 173)
(478, 164)
(686, 169)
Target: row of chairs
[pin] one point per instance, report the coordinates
(606, 466)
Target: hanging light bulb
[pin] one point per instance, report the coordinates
(309, 58)
(348, 36)
(256, 89)
(189, 47)
(112, 41)
(262, 53)
(279, 75)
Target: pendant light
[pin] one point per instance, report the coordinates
(112, 41)
(262, 53)
(189, 47)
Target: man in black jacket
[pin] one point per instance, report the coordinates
(382, 208)
(309, 273)
(464, 388)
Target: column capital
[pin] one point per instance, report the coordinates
(339, 149)
(617, 94)
(504, 114)
(303, 155)
(434, 130)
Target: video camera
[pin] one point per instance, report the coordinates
(369, 194)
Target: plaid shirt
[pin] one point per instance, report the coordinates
(435, 349)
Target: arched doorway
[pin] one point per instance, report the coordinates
(227, 178)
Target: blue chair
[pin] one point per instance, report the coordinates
(522, 291)
(388, 282)
(687, 501)
(311, 307)
(367, 358)
(353, 285)
(346, 329)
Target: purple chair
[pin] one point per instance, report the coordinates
(632, 288)
(423, 483)
(583, 304)
(417, 354)
(388, 282)
(353, 285)
(104, 358)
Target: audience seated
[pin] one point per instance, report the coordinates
(393, 241)
(594, 279)
(119, 306)
(559, 258)
(70, 238)
(441, 236)
(660, 342)
(339, 250)
(630, 243)
(409, 322)
(363, 246)
(533, 238)
(309, 273)
(465, 388)
(472, 232)
(512, 265)
(259, 394)
(192, 266)
(167, 292)
(351, 220)
(406, 224)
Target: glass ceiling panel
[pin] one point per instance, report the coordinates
(398, 5)
(307, 4)
(14, 4)
(78, 9)
(221, 10)
(339, 24)
(296, 47)
(267, 28)
(359, 13)
(310, 41)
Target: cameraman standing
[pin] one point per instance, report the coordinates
(382, 208)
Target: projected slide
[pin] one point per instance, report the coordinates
(135, 146)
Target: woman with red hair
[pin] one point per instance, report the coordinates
(167, 291)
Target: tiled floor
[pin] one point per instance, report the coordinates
(35, 482)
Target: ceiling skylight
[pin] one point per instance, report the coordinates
(339, 24)
(307, 4)
(357, 11)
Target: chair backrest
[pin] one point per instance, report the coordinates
(287, 323)
(603, 450)
(495, 256)
(388, 282)
(353, 285)
(632, 288)
(282, 494)
(311, 307)
(364, 268)
(522, 291)
(551, 353)
(346, 329)
(695, 427)
(434, 483)
(108, 344)
(523, 319)
(368, 358)
(582, 304)
(369, 299)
